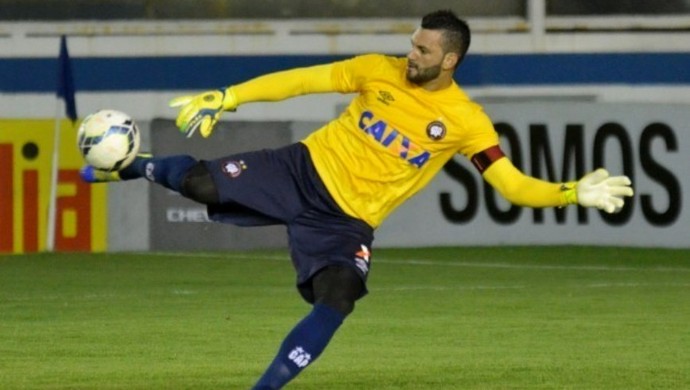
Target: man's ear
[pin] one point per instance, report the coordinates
(450, 60)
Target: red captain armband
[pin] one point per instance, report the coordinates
(483, 160)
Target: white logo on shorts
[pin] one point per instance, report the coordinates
(362, 258)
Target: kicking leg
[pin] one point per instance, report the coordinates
(336, 288)
(182, 174)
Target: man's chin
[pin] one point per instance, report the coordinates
(414, 80)
(412, 77)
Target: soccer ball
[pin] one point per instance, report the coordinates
(108, 140)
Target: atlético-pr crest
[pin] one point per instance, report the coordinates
(436, 130)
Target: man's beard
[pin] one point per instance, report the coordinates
(424, 75)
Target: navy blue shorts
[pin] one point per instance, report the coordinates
(281, 186)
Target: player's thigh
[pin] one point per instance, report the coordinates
(260, 181)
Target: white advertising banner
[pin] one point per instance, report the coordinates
(561, 141)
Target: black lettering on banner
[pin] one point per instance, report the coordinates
(611, 141)
(464, 177)
(573, 160)
(512, 214)
(616, 132)
(539, 146)
(573, 155)
(660, 174)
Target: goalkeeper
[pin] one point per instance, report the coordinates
(334, 188)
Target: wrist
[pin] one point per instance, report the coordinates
(569, 193)
(230, 102)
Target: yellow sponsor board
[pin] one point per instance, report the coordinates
(26, 155)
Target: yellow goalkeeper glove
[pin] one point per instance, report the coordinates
(202, 111)
(598, 189)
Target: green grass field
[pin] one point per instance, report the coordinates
(435, 318)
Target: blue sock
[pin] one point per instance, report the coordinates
(301, 347)
(166, 171)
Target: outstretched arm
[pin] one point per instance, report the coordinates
(282, 85)
(596, 189)
(523, 190)
(202, 111)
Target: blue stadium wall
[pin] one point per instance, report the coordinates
(38, 75)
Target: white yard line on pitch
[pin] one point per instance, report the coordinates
(624, 285)
(445, 288)
(518, 287)
(425, 262)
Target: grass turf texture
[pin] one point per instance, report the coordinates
(436, 318)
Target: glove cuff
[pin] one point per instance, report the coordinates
(569, 193)
(229, 99)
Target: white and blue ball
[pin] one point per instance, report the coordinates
(108, 140)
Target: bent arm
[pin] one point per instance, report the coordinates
(523, 190)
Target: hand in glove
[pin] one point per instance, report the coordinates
(202, 111)
(598, 189)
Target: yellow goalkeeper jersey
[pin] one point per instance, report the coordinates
(393, 137)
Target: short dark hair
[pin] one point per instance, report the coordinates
(456, 32)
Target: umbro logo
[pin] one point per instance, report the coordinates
(385, 97)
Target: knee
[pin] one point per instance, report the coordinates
(338, 287)
(198, 185)
(343, 305)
